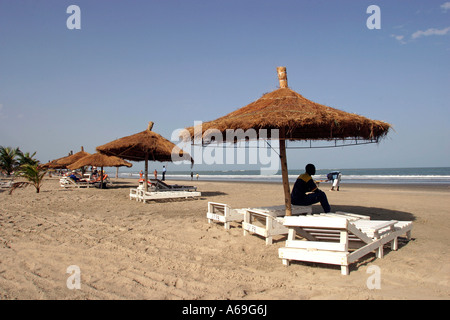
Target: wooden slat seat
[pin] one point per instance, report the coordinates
(338, 240)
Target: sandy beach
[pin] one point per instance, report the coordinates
(167, 250)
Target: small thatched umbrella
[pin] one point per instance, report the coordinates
(100, 160)
(52, 165)
(144, 146)
(67, 161)
(297, 118)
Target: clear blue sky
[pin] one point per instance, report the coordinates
(174, 62)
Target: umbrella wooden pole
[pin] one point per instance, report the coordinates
(101, 177)
(146, 173)
(284, 173)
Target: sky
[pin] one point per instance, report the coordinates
(176, 62)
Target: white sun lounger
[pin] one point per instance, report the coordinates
(158, 185)
(6, 183)
(268, 222)
(141, 195)
(220, 212)
(223, 213)
(339, 241)
(66, 182)
(134, 194)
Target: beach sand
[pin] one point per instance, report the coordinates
(167, 250)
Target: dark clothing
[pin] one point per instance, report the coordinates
(333, 175)
(74, 178)
(305, 193)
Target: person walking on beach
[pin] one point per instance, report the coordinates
(155, 173)
(306, 192)
(164, 173)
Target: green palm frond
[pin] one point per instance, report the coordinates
(8, 159)
(33, 174)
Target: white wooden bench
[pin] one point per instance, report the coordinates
(339, 241)
(67, 182)
(223, 213)
(143, 196)
(134, 194)
(268, 222)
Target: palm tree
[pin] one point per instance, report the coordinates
(33, 174)
(26, 158)
(8, 159)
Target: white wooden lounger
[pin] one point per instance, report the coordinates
(134, 194)
(269, 222)
(339, 241)
(67, 182)
(6, 183)
(223, 213)
(159, 185)
(220, 212)
(141, 195)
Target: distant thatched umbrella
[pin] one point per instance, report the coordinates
(63, 162)
(66, 161)
(52, 165)
(99, 160)
(144, 146)
(297, 118)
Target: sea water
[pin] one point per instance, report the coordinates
(428, 175)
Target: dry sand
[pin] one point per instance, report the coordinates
(167, 250)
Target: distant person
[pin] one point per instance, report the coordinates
(164, 173)
(155, 173)
(197, 176)
(306, 192)
(94, 173)
(74, 176)
(335, 178)
(192, 176)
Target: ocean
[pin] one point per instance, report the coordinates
(429, 175)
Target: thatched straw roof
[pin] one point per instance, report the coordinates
(136, 146)
(99, 160)
(301, 118)
(66, 161)
(63, 162)
(52, 165)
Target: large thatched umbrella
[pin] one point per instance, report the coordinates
(144, 146)
(297, 118)
(100, 160)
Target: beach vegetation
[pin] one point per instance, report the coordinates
(27, 158)
(9, 159)
(33, 174)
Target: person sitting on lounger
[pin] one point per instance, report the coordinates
(74, 176)
(306, 192)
